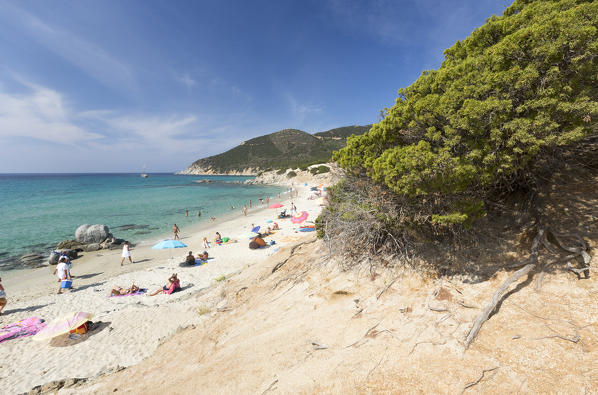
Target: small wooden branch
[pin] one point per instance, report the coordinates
(425, 342)
(270, 386)
(364, 336)
(469, 385)
(477, 325)
(385, 288)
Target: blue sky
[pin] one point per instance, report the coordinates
(92, 86)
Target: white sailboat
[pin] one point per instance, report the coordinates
(143, 173)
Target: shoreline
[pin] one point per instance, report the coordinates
(132, 327)
(186, 224)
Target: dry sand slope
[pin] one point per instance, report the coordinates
(309, 328)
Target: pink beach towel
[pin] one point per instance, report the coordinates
(27, 327)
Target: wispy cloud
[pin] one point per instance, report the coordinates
(41, 114)
(89, 57)
(186, 80)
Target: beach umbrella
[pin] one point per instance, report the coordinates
(299, 217)
(256, 229)
(63, 325)
(164, 244)
(276, 205)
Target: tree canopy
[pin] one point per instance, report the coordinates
(518, 91)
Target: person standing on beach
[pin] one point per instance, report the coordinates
(186, 213)
(62, 271)
(2, 297)
(198, 213)
(245, 210)
(249, 203)
(175, 230)
(267, 200)
(126, 253)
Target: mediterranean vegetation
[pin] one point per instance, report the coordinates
(512, 105)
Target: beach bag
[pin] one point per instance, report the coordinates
(66, 284)
(81, 330)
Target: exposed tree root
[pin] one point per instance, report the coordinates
(469, 385)
(542, 238)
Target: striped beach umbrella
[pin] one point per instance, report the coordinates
(299, 217)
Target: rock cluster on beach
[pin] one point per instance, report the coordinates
(87, 238)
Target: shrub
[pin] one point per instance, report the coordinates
(281, 171)
(291, 174)
(323, 169)
(313, 170)
(506, 106)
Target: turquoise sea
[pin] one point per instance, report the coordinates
(39, 210)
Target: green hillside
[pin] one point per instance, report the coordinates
(344, 132)
(283, 149)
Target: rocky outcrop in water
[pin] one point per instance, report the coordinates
(87, 234)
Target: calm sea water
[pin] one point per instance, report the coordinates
(39, 210)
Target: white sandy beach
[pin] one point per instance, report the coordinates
(131, 327)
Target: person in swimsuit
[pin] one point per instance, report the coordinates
(173, 280)
(190, 259)
(175, 230)
(2, 297)
(124, 291)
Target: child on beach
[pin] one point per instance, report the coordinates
(126, 253)
(206, 244)
(2, 297)
(63, 273)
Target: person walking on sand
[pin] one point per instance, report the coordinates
(126, 253)
(2, 297)
(176, 230)
(245, 210)
(62, 271)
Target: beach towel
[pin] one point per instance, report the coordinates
(198, 262)
(175, 287)
(27, 327)
(140, 292)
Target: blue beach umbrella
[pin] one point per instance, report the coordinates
(164, 244)
(256, 229)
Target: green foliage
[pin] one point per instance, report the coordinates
(323, 169)
(288, 148)
(281, 171)
(319, 170)
(291, 174)
(506, 101)
(303, 168)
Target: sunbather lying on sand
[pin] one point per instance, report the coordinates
(171, 286)
(124, 291)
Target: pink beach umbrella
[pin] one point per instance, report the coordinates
(276, 205)
(63, 325)
(299, 217)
